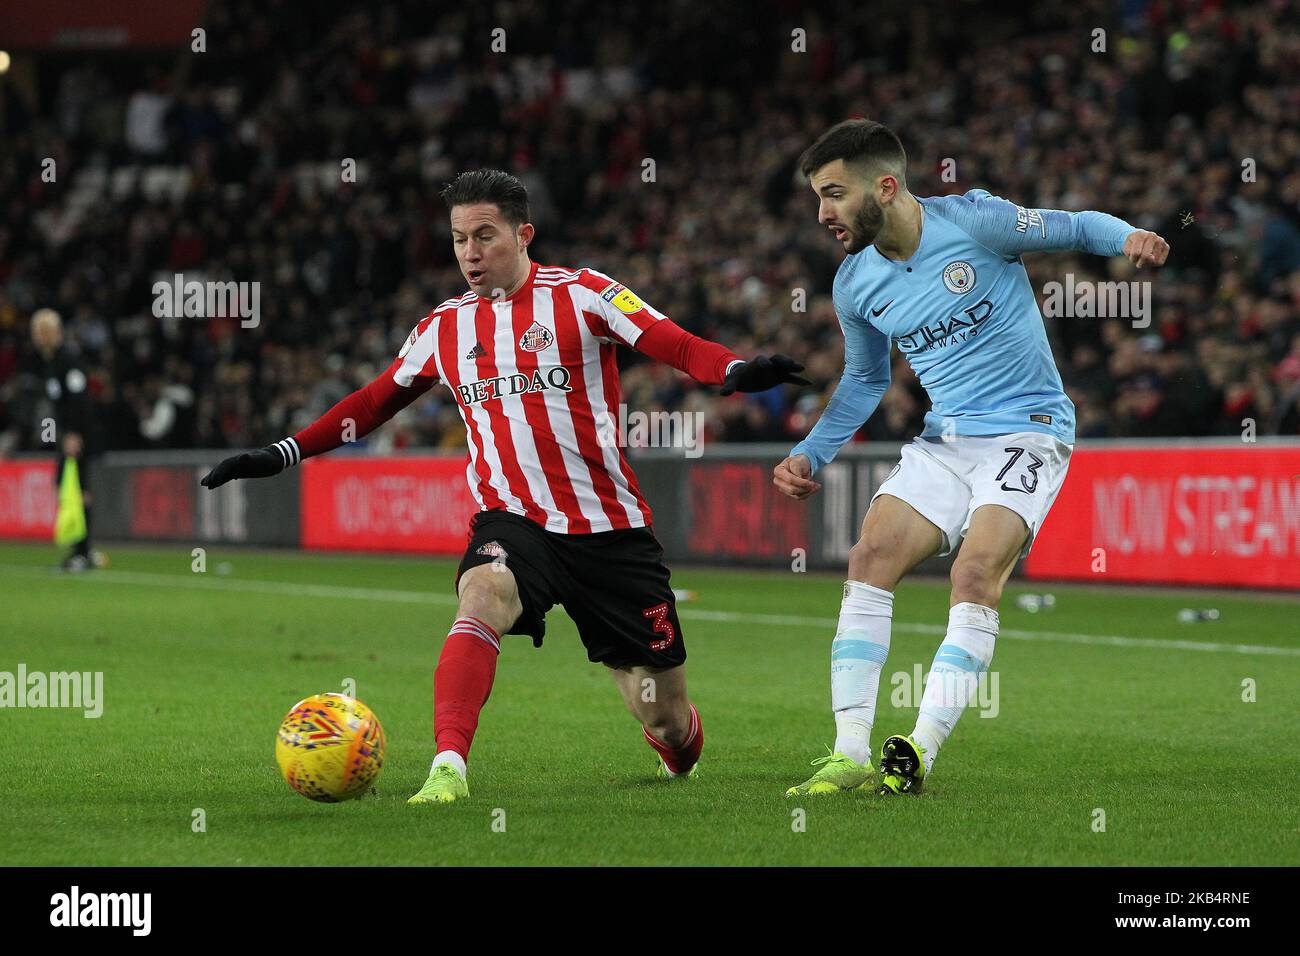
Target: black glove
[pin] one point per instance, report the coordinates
(763, 373)
(262, 463)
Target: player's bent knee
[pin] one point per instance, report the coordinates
(977, 579)
(870, 561)
(489, 592)
(486, 584)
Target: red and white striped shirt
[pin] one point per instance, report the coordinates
(535, 379)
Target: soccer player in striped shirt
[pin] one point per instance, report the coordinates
(528, 354)
(942, 279)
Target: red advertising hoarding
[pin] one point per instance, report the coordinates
(28, 500)
(1212, 515)
(386, 504)
(737, 512)
(162, 502)
(76, 24)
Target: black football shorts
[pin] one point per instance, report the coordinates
(613, 584)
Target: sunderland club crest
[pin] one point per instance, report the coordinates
(536, 338)
(492, 549)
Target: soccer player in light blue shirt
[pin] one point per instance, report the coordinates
(942, 279)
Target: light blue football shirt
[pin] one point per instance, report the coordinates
(963, 312)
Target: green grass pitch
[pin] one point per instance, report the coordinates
(1105, 703)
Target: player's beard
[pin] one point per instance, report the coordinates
(866, 226)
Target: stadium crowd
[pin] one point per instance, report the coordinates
(659, 146)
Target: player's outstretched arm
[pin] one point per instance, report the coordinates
(1012, 230)
(354, 417)
(855, 400)
(259, 463)
(1144, 248)
(793, 477)
(761, 373)
(617, 314)
(858, 394)
(713, 364)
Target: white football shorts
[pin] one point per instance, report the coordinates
(945, 481)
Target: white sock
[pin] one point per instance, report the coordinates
(451, 757)
(857, 656)
(965, 653)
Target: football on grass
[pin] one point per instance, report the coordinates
(330, 748)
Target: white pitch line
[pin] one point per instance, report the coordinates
(206, 583)
(1113, 640)
(201, 582)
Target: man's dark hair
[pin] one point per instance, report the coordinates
(860, 141)
(489, 185)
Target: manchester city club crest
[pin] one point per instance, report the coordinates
(536, 338)
(959, 277)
